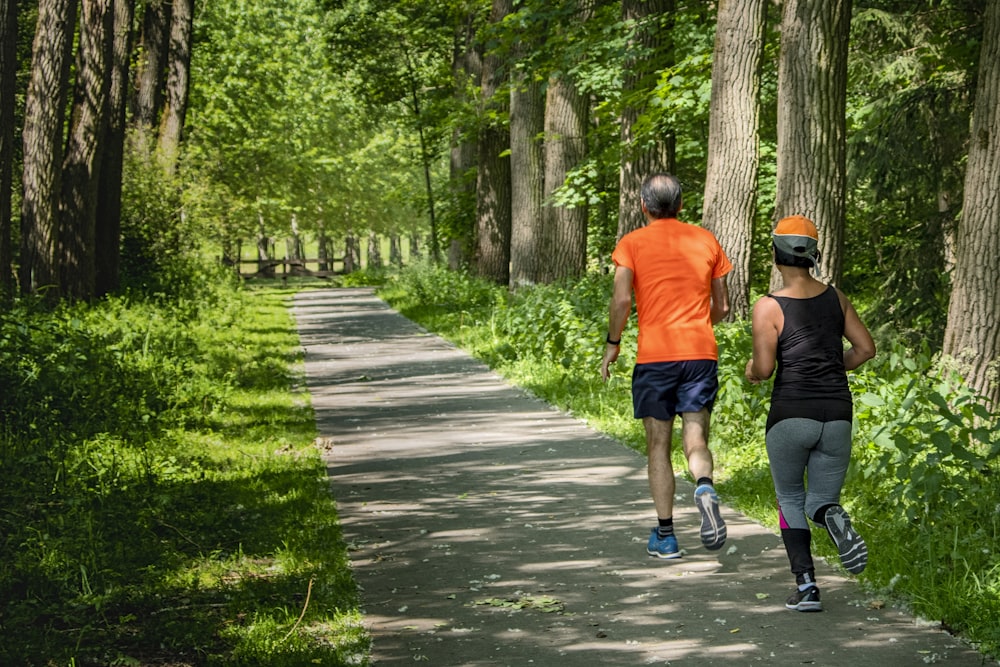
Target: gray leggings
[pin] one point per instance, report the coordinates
(797, 447)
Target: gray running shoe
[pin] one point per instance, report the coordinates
(713, 528)
(807, 600)
(851, 547)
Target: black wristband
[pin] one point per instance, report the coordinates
(613, 342)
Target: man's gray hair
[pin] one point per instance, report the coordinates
(661, 194)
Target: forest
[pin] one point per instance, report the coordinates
(493, 150)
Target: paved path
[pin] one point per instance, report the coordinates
(486, 528)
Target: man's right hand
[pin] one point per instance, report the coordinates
(610, 355)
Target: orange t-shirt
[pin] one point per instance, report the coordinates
(673, 265)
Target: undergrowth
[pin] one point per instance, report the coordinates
(161, 499)
(923, 485)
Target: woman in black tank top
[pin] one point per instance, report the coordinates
(799, 330)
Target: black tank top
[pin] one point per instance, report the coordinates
(811, 381)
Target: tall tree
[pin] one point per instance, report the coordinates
(493, 203)
(178, 81)
(567, 117)
(730, 203)
(812, 94)
(43, 151)
(81, 166)
(399, 55)
(973, 330)
(8, 84)
(151, 66)
(467, 69)
(648, 51)
(527, 162)
(109, 196)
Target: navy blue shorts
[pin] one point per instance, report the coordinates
(665, 389)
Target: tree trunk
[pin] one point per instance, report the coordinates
(82, 164)
(43, 152)
(564, 229)
(374, 252)
(733, 152)
(973, 330)
(151, 67)
(426, 159)
(493, 204)
(812, 98)
(109, 197)
(8, 86)
(263, 248)
(527, 166)
(351, 253)
(178, 79)
(322, 247)
(648, 53)
(395, 250)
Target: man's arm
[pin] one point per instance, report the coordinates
(720, 299)
(618, 312)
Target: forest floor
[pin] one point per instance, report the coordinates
(486, 528)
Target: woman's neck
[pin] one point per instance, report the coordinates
(797, 281)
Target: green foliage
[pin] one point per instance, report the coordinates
(923, 485)
(161, 499)
(910, 94)
(926, 439)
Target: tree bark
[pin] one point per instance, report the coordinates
(493, 186)
(151, 68)
(733, 151)
(374, 252)
(82, 163)
(43, 152)
(109, 197)
(648, 52)
(812, 99)
(972, 333)
(564, 229)
(527, 166)
(8, 86)
(178, 80)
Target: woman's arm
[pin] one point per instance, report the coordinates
(767, 321)
(862, 346)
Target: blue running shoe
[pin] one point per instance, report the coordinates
(713, 528)
(850, 546)
(663, 547)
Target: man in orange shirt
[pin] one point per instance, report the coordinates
(678, 274)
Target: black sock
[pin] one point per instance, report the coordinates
(665, 527)
(705, 480)
(820, 515)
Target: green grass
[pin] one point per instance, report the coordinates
(204, 533)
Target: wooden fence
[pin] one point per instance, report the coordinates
(286, 268)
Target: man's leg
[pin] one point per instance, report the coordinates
(659, 468)
(699, 458)
(695, 434)
(660, 471)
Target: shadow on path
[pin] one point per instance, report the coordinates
(486, 528)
